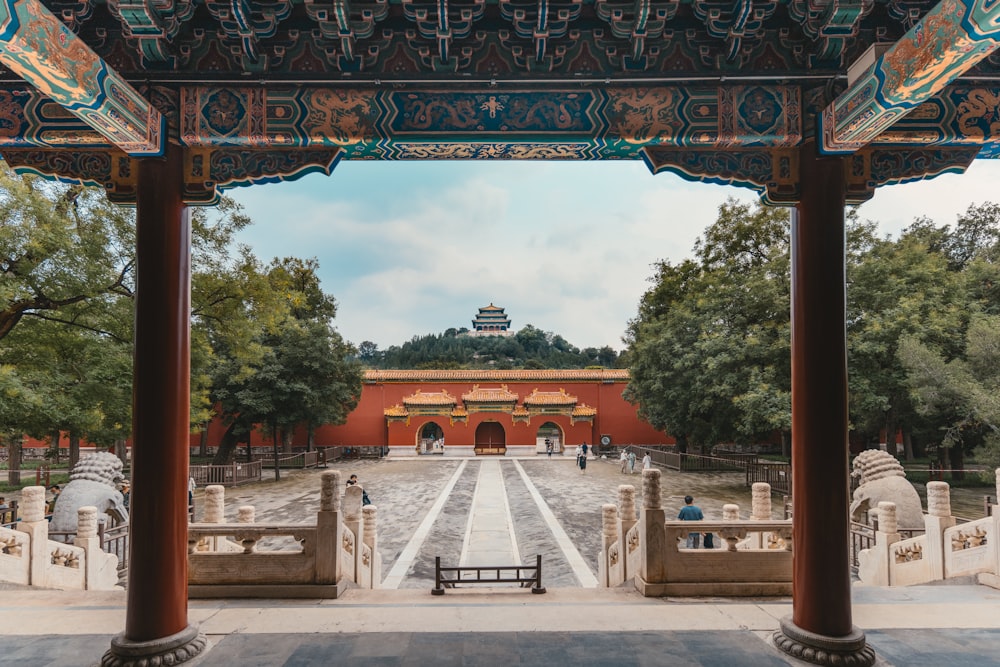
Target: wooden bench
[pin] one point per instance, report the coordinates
(449, 577)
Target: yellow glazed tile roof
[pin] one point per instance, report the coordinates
(489, 395)
(520, 411)
(459, 412)
(430, 398)
(396, 411)
(549, 398)
(466, 375)
(584, 411)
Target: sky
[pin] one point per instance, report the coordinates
(414, 248)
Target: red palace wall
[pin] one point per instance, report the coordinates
(599, 389)
(367, 425)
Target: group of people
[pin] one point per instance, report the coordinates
(627, 460)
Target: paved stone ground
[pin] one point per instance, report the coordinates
(895, 648)
(404, 491)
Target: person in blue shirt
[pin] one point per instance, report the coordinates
(691, 512)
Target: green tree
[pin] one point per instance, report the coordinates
(960, 394)
(709, 350)
(300, 373)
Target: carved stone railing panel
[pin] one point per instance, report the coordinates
(15, 548)
(65, 567)
(633, 555)
(910, 561)
(970, 548)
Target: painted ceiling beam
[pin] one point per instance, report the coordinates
(40, 49)
(949, 40)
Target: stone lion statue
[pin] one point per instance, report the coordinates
(93, 481)
(882, 479)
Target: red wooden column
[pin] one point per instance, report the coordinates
(820, 626)
(156, 622)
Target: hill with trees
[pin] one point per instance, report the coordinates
(455, 348)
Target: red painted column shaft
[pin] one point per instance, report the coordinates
(820, 493)
(157, 587)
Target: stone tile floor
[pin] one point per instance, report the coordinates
(404, 490)
(957, 626)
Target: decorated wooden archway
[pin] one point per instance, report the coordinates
(813, 103)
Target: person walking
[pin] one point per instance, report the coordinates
(647, 461)
(581, 459)
(624, 460)
(631, 462)
(548, 447)
(691, 512)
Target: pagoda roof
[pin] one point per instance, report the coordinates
(430, 398)
(549, 398)
(489, 395)
(396, 411)
(491, 307)
(491, 375)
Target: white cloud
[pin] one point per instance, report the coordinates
(410, 249)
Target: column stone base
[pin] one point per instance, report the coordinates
(847, 651)
(173, 650)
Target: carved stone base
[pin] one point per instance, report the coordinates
(848, 651)
(173, 650)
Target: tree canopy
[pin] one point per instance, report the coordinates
(67, 261)
(709, 348)
(528, 348)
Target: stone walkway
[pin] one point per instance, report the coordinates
(922, 626)
(495, 511)
(431, 507)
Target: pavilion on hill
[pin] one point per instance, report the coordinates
(491, 321)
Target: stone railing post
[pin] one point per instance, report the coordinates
(215, 512)
(996, 496)
(760, 510)
(87, 539)
(246, 514)
(609, 535)
(369, 515)
(626, 520)
(880, 555)
(100, 569)
(329, 532)
(652, 532)
(936, 521)
(34, 524)
(215, 504)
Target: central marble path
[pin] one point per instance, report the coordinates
(489, 534)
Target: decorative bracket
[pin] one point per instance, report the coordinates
(949, 40)
(40, 49)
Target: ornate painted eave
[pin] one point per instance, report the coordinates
(583, 412)
(549, 398)
(396, 413)
(36, 46)
(951, 39)
(490, 395)
(428, 399)
(724, 92)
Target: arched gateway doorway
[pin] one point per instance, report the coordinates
(549, 432)
(491, 439)
(430, 439)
